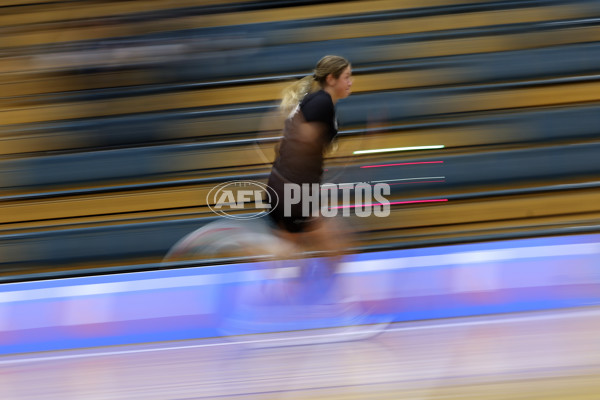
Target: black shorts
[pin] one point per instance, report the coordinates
(294, 222)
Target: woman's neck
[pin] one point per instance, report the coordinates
(331, 94)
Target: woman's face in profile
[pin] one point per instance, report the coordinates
(342, 86)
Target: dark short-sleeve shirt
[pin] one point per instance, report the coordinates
(318, 107)
(298, 161)
(300, 155)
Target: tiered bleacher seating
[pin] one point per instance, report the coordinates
(117, 118)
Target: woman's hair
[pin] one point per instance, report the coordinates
(294, 93)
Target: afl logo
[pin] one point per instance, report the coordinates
(241, 199)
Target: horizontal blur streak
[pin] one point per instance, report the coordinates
(545, 355)
(395, 149)
(410, 183)
(391, 203)
(410, 163)
(413, 179)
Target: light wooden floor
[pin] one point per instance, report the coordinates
(542, 355)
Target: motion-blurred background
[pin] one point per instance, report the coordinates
(117, 118)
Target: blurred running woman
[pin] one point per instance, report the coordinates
(310, 127)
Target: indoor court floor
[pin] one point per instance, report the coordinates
(532, 355)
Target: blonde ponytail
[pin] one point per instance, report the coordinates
(294, 93)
